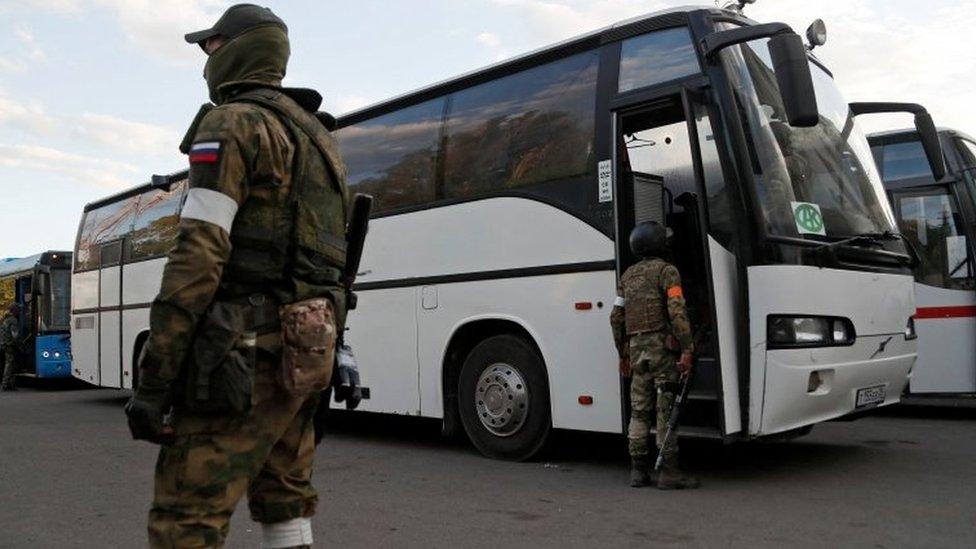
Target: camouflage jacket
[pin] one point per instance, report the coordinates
(242, 160)
(654, 286)
(9, 329)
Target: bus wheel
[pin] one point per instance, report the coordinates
(504, 398)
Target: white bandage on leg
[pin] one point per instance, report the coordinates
(291, 533)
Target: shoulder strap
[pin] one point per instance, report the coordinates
(310, 126)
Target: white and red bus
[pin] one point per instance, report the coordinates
(939, 217)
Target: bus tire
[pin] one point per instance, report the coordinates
(503, 398)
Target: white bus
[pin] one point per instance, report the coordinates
(504, 199)
(940, 219)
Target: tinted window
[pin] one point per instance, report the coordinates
(533, 128)
(110, 222)
(156, 222)
(393, 157)
(56, 315)
(904, 161)
(721, 217)
(931, 222)
(656, 58)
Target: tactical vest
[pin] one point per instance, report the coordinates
(292, 246)
(646, 306)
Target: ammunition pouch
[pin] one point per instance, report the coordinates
(308, 337)
(221, 363)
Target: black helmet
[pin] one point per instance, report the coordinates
(649, 239)
(236, 21)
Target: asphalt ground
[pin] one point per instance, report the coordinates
(71, 477)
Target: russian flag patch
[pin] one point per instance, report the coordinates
(205, 152)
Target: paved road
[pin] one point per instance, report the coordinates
(70, 477)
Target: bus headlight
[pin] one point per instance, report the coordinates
(57, 354)
(784, 332)
(910, 332)
(46, 354)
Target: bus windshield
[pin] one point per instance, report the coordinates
(829, 166)
(55, 312)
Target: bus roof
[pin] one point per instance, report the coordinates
(671, 17)
(17, 265)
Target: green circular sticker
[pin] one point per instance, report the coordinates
(809, 219)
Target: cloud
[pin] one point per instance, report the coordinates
(553, 20)
(154, 26)
(25, 53)
(125, 135)
(881, 52)
(348, 103)
(87, 170)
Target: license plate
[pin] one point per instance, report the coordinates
(870, 396)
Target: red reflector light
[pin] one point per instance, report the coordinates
(584, 306)
(586, 400)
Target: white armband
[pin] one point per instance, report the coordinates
(620, 302)
(210, 207)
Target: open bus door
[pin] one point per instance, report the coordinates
(659, 144)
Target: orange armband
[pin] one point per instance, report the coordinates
(675, 291)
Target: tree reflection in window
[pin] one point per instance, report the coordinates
(525, 129)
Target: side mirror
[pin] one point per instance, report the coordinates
(929, 136)
(927, 132)
(163, 182)
(795, 81)
(790, 62)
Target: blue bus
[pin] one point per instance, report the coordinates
(41, 285)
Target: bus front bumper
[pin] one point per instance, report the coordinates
(807, 386)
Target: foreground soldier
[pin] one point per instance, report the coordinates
(650, 312)
(244, 328)
(9, 335)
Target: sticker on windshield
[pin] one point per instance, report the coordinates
(808, 218)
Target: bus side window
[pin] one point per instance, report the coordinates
(156, 223)
(393, 157)
(931, 222)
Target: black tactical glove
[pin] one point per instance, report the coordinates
(346, 380)
(321, 415)
(147, 411)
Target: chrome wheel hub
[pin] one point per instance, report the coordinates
(502, 399)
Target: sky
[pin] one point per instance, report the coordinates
(95, 95)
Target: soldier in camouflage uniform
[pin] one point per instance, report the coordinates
(648, 317)
(9, 335)
(262, 228)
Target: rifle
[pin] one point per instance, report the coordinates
(355, 240)
(679, 403)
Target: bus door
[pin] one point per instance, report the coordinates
(945, 289)
(110, 314)
(660, 146)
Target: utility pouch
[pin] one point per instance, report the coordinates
(221, 366)
(308, 337)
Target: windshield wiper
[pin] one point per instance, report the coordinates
(866, 241)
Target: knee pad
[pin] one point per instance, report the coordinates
(291, 533)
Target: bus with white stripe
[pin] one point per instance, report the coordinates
(939, 217)
(504, 199)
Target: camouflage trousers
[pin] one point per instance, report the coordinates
(9, 367)
(653, 375)
(267, 454)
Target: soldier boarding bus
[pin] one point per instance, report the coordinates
(939, 217)
(41, 286)
(504, 201)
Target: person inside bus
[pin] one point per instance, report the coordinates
(9, 335)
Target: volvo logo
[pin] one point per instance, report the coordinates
(882, 347)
